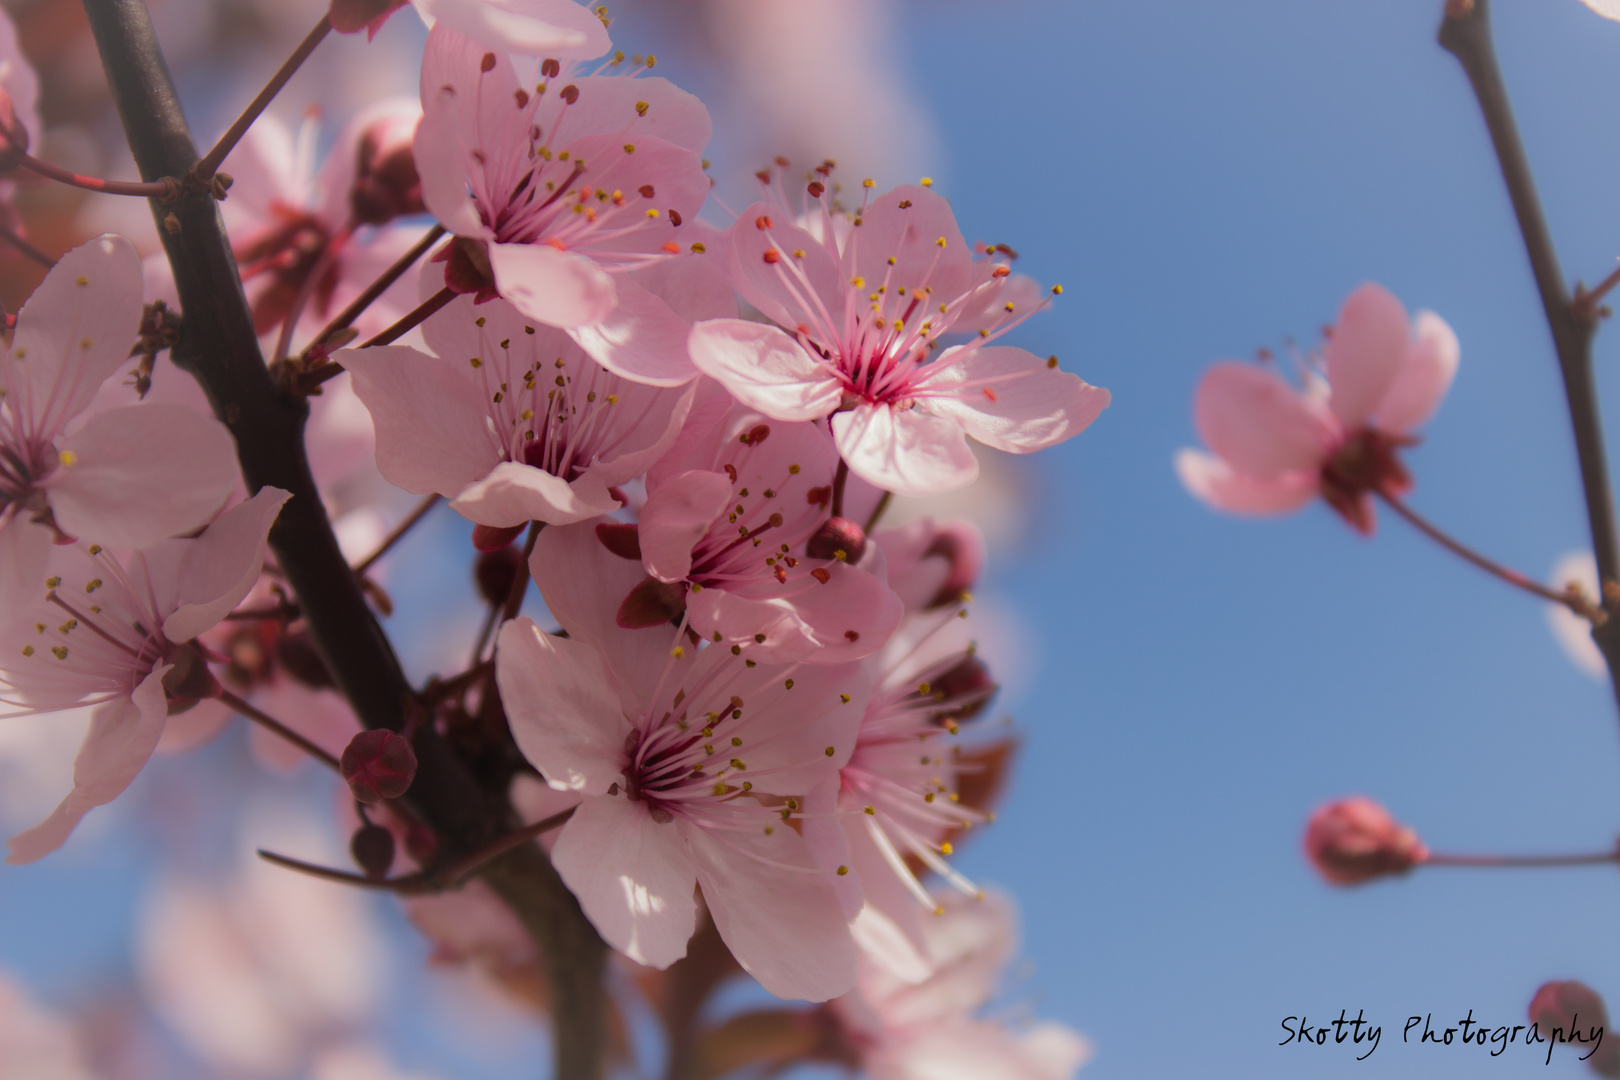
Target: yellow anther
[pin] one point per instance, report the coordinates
(830, 751)
(677, 652)
(868, 182)
(870, 810)
(927, 181)
(842, 870)
(940, 242)
(68, 459)
(946, 848)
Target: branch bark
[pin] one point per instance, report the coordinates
(1465, 32)
(220, 348)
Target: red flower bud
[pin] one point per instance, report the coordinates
(1355, 840)
(1573, 1006)
(491, 538)
(373, 849)
(378, 765)
(386, 184)
(838, 535)
(495, 571)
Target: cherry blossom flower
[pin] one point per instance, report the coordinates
(858, 307)
(124, 477)
(512, 421)
(932, 564)
(559, 187)
(531, 27)
(114, 634)
(309, 241)
(692, 763)
(731, 513)
(929, 1031)
(1275, 448)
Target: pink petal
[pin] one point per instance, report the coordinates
(677, 513)
(1009, 399)
(221, 566)
(559, 28)
(1215, 482)
(142, 473)
(765, 369)
(641, 338)
(694, 286)
(555, 287)
(632, 876)
(905, 451)
(24, 551)
(823, 830)
(123, 733)
(790, 291)
(262, 176)
(428, 415)
(73, 332)
(905, 224)
(516, 494)
(1421, 384)
(613, 103)
(784, 926)
(441, 160)
(562, 707)
(1251, 417)
(1367, 350)
(583, 585)
(394, 118)
(849, 617)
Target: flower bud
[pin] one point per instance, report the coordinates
(839, 539)
(373, 849)
(1355, 840)
(386, 185)
(492, 538)
(378, 765)
(1571, 1006)
(13, 136)
(495, 571)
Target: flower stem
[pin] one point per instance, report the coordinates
(398, 534)
(359, 304)
(1523, 861)
(520, 582)
(270, 723)
(418, 315)
(1496, 569)
(166, 188)
(840, 479)
(878, 512)
(16, 241)
(209, 163)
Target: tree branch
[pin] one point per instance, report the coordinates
(1466, 34)
(220, 348)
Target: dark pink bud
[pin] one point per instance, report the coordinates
(839, 539)
(352, 16)
(623, 540)
(373, 849)
(652, 603)
(386, 185)
(961, 546)
(490, 538)
(495, 571)
(378, 765)
(1573, 1007)
(1355, 840)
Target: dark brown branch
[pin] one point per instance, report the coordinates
(1466, 34)
(220, 348)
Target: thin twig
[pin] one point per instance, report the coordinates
(1522, 861)
(270, 723)
(1587, 300)
(397, 534)
(1490, 566)
(167, 188)
(840, 480)
(15, 240)
(358, 305)
(210, 162)
(520, 581)
(415, 317)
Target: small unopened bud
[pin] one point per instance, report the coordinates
(466, 266)
(1355, 840)
(839, 539)
(963, 690)
(13, 136)
(1577, 1012)
(420, 843)
(491, 538)
(386, 184)
(378, 765)
(495, 571)
(373, 849)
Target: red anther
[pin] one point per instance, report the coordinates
(373, 849)
(1355, 840)
(781, 161)
(905, 204)
(781, 574)
(1001, 271)
(647, 191)
(819, 496)
(852, 635)
(731, 471)
(816, 188)
(623, 540)
(651, 603)
(570, 93)
(1573, 1007)
(763, 176)
(991, 394)
(758, 434)
(495, 571)
(378, 765)
(298, 657)
(671, 246)
(550, 68)
(775, 520)
(763, 222)
(487, 63)
(521, 96)
(821, 575)
(773, 256)
(490, 538)
(675, 218)
(840, 539)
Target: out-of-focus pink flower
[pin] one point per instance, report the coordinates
(1609, 9)
(125, 477)
(511, 420)
(35, 1044)
(723, 536)
(1572, 1008)
(928, 1030)
(859, 305)
(558, 190)
(1356, 840)
(1275, 448)
(559, 28)
(932, 563)
(1573, 633)
(19, 94)
(111, 633)
(310, 241)
(691, 762)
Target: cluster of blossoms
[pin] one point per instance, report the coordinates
(746, 696)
